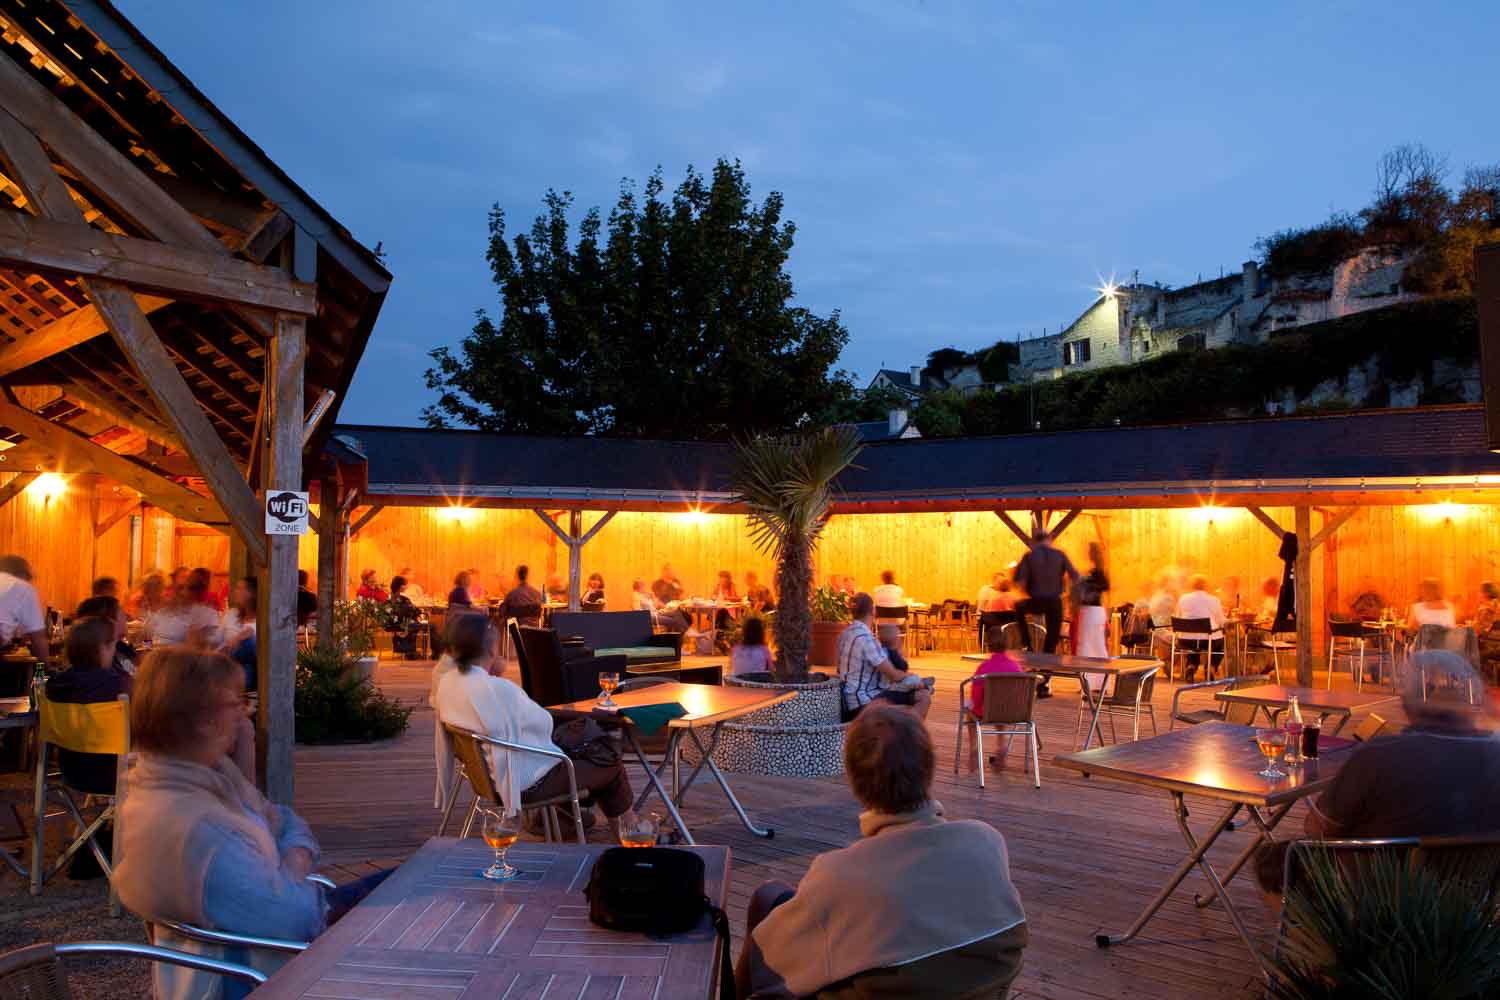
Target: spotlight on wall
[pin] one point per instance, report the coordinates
(1445, 510)
(48, 486)
(457, 513)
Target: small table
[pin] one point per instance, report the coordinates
(1215, 760)
(1273, 699)
(17, 720)
(1066, 665)
(435, 928)
(707, 707)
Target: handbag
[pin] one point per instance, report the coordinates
(583, 739)
(657, 891)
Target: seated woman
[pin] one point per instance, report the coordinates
(470, 691)
(187, 619)
(405, 620)
(370, 588)
(941, 919)
(109, 608)
(593, 594)
(238, 641)
(199, 844)
(1430, 608)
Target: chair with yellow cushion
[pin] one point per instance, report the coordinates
(101, 727)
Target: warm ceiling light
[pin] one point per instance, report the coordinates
(1446, 510)
(1209, 513)
(696, 516)
(456, 512)
(49, 485)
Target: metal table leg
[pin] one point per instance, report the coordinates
(705, 759)
(653, 779)
(1097, 705)
(1265, 837)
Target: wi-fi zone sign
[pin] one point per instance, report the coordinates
(286, 512)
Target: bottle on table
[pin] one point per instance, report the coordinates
(1294, 727)
(38, 684)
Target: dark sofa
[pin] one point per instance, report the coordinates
(620, 633)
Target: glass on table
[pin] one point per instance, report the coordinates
(641, 833)
(607, 684)
(500, 831)
(1272, 743)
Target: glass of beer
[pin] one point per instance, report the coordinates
(1310, 733)
(500, 831)
(1272, 743)
(642, 833)
(607, 684)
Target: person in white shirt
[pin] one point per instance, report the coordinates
(414, 591)
(20, 608)
(1431, 609)
(1199, 603)
(888, 594)
(187, 619)
(866, 668)
(471, 692)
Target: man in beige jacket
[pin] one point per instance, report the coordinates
(918, 907)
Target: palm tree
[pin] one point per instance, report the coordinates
(786, 486)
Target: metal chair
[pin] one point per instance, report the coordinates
(469, 748)
(1461, 640)
(1264, 642)
(1009, 710)
(1185, 645)
(36, 972)
(1348, 641)
(1219, 711)
(1132, 694)
(1370, 728)
(1012, 634)
(103, 728)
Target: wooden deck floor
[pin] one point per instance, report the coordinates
(1086, 854)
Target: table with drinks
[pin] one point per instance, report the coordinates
(1245, 768)
(1297, 704)
(436, 927)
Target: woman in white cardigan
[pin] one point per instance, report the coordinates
(470, 691)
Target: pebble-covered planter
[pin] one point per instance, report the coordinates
(801, 738)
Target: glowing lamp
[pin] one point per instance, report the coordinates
(48, 486)
(457, 513)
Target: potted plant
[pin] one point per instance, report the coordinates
(335, 703)
(830, 616)
(355, 624)
(786, 485)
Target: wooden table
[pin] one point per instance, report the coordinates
(1273, 699)
(435, 928)
(1066, 665)
(708, 708)
(17, 720)
(1215, 760)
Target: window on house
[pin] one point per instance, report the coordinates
(1076, 352)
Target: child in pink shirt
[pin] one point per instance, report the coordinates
(998, 663)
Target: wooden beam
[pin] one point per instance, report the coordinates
(276, 633)
(100, 530)
(1015, 529)
(1268, 521)
(330, 538)
(236, 216)
(92, 397)
(1302, 582)
(365, 519)
(77, 248)
(69, 450)
(1056, 530)
(556, 530)
(264, 241)
(1333, 524)
(178, 404)
(13, 489)
(77, 327)
(319, 411)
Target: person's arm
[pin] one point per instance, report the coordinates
(1069, 569)
(33, 625)
(245, 892)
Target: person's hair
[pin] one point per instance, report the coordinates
(16, 567)
(398, 584)
(1005, 585)
(179, 571)
(201, 573)
(461, 579)
(102, 606)
(84, 638)
(638, 584)
(1489, 590)
(197, 587)
(887, 576)
(596, 576)
(1430, 589)
(1271, 587)
(469, 639)
(861, 605)
(173, 686)
(155, 582)
(724, 574)
(104, 586)
(522, 572)
(754, 632)
(1198, 582)
(302, 578)
(888, 758)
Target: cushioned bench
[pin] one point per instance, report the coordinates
(620, 633)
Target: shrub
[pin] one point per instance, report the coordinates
(334, 704)
(829, 605)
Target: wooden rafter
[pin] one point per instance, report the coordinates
(1268, 521)
(365, 519)
(39, 299)
(101, 529)
(91, 395)
(1015, 529)
(19, 482)
(260, 244)
(1057, 529)
(1334, 522)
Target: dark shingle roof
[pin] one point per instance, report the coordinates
(1245, 455)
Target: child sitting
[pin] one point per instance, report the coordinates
(1000, 662)
(751, 655)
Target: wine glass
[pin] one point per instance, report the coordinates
(607, 684)
(642, 833)
(1272, 743)
(500, 831)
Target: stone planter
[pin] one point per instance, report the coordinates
(364, 668)
(824, 649)
(801, 738)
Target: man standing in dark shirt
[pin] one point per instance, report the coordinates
(524, 602)
(1044, 572)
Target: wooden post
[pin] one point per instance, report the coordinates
(330, 539)
(575, 557)
(276, 632)
(1302, 573)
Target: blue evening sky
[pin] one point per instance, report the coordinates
(958, 172)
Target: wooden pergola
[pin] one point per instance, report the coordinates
(171, 284)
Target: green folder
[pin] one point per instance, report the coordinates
(650, 719)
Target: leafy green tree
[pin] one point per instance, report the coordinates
(853, 406)
(673, 318)
(941, 414)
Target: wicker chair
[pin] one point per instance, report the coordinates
(1009, 711)
(36, 972)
